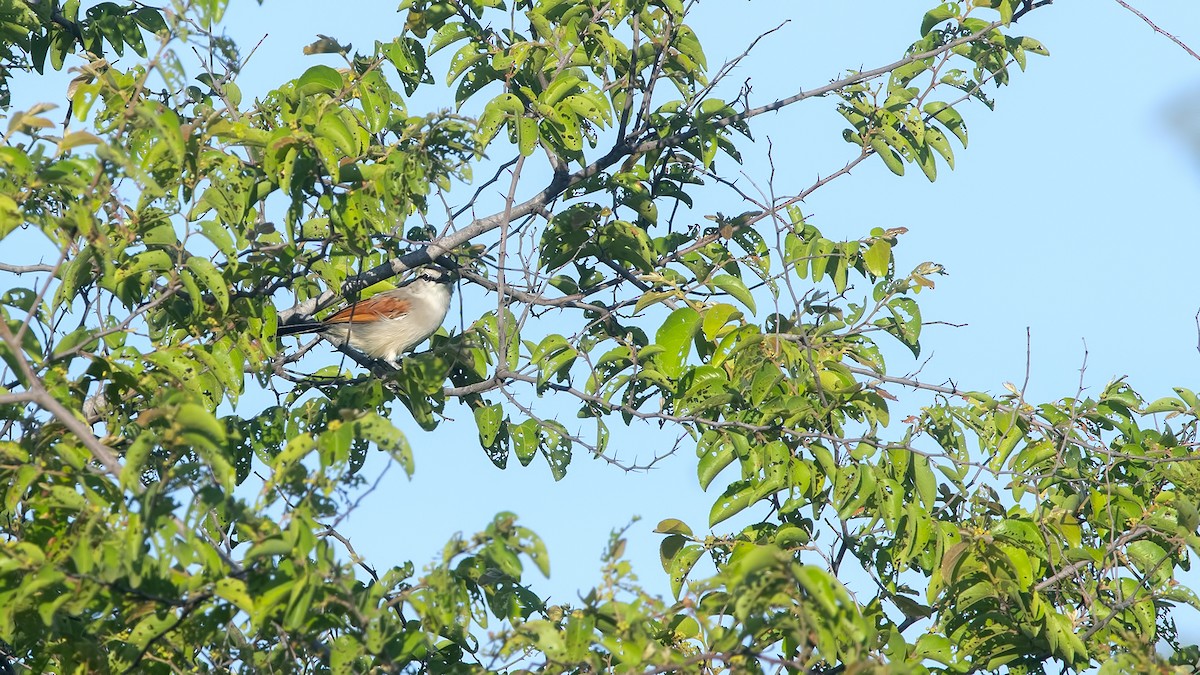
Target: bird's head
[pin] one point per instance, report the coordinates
(432, 279)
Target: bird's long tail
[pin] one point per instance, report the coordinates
(299, 327)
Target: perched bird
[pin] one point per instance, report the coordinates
(386, 325)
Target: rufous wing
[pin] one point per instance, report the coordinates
(372, 309)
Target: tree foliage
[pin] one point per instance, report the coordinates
(157, 516)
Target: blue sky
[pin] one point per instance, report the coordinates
(1071, 215)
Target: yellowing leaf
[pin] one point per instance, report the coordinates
(877, 257)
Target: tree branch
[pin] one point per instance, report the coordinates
(1159, 30)
(37, 393)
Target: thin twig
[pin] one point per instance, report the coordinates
(1159, 30)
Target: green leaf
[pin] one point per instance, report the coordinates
(943, 12)
(334, 128)
(527, 135)
(580, 633)
(206, 272)
(949, 118)
(447, 35)
(1150, 559)
(688, 44)
(269, 547)
(1189, 397)
(737, 497)
(852, 486)
(935, 647)
(1006, 11)
(935, 139)
(591, 106)
(82, 339)
(715, 453)
(1165, 404)
(376, 98)
(678, 560)
(380, 431)
(196, 419)
(525, 440)
(150, 19)
(925, 481)
(717, 317)
(319, 79)
(553, 356)
(463, 59)
(345, 650)
(505, 107)
(234, 591)
(673, 526)
(558, 88)
(891, 159)
(737, 288)
(1031, 45)
(488, 419)
(904, 322)
(556, 448)
(675, 337)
